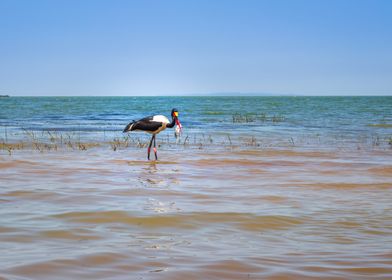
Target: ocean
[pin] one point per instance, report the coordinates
(255, 188)
(308, 122)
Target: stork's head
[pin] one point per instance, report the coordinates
(174, 114)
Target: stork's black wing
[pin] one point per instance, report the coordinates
(146, 125)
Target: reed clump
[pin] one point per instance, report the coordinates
(252, 142)
(10, 147)
(47, 141)
(117, 143)
(260, 117)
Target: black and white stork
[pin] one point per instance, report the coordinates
(154, 125)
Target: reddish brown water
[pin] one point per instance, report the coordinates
(197, 214)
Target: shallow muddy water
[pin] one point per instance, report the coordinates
(246, 213)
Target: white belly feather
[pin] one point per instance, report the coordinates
(160, 118)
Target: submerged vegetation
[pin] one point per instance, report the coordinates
(381, 125)
(46, 141)
(261, 117)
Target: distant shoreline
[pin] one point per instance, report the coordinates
(207, 95)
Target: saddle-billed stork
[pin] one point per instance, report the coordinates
(154, 125)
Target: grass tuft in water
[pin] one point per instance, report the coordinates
(260, 117)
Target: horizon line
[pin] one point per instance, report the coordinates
(223, 94)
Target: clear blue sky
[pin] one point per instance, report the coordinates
(113, 47)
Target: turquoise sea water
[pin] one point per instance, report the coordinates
(325, 122)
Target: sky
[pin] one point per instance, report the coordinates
(192, 47)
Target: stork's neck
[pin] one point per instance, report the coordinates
(173, 122)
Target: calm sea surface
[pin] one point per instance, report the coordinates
(320, 122)
(255, 188)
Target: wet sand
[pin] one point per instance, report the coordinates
(196, 214)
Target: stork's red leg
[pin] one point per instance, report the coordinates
(155, 149)
(149, 147)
